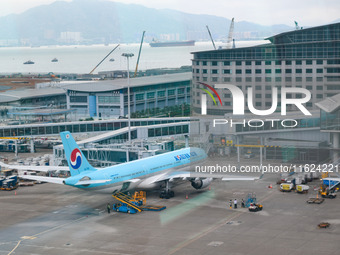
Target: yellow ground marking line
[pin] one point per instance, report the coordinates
(15, 247)
(43, 232)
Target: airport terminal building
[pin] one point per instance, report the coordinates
(108, 98)
(103, 99)
(306, 58)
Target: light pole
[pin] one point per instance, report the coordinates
(128, 55)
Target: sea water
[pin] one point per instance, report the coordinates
(82, 59)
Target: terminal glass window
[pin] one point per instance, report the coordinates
(78, 99)
(109, 99)
(150, 95)
(171, 92)
(214, 63)
(226, 63)
(139, 96)
(180, 91)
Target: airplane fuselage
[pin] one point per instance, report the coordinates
(131, 174)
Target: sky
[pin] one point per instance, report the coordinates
(265, 12)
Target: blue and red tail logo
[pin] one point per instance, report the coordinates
(75, 159)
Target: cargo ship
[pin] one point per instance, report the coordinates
(172, 44)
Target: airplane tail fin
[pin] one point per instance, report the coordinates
(74, 156)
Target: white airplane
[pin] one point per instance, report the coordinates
(155, 172)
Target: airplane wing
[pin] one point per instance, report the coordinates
(102, 181)
(43, 178)
(92, 182)
(35, 168)
(186, 175)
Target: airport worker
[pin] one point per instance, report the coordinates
(230, 204)
(108, 208)
(235, 203)
(243, 205)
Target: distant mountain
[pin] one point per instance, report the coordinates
(96, 21)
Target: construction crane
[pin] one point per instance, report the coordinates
(297, 27)
(230, 35)
(140, 50)
(211, 37)
(104, 59)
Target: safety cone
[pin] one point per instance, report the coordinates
(15, 193)
(186, 196)
(209, 188)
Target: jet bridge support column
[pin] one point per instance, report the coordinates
(186, 141)
(335, 147)
(32, 145)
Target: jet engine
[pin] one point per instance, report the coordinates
(201, 183)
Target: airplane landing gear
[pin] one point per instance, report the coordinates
(167, 193)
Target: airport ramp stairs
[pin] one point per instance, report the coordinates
(126, 199)
(137, 201)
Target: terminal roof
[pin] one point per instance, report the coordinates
(330, 104)
(117, 84)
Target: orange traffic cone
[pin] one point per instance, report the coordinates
(186, 196)
(209, 188)
(15, 193)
